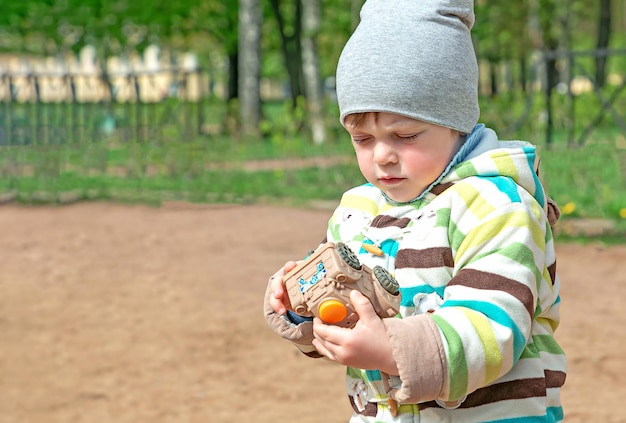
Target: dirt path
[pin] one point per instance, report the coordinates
(113, 313)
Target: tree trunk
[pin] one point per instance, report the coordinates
(522, 72)
(493, 78)
(249, 60)
(290, 45)
(233, 76)
(604, 35)
(544, 41)
(566, 69)
(310, 67)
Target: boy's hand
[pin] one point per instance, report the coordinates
(279, 300)
(365, 346)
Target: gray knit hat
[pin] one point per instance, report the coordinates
(414, 58)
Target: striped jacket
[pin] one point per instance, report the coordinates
(475, 259)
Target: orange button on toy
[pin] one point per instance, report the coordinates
(332, 311)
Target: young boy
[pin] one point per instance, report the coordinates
(463, 224)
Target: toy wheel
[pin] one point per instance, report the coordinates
(386, 280)
(348, 256)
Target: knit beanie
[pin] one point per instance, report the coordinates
(414, 58)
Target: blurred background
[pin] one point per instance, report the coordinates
(222, 115)
(153, 101)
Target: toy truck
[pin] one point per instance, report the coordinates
(320, 286)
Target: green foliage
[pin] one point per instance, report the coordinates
(576, 120)
(590, 179)
(499, 31)
(114, 27)
(283, 124)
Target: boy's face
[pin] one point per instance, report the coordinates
(399, 155)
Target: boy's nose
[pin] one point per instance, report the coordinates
(384, 154)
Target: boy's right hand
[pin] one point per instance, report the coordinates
(279, 300)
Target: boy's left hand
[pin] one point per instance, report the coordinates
(365, 346)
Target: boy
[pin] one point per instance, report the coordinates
(463, 223)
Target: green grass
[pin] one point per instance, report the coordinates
(587, 181)
(199, 171)
(590, 179)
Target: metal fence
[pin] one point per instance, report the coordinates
(609, 95)
(39, 107)
(561, 96)
(67, 136)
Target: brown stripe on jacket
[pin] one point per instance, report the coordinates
(552, 271)
(554, 378)
(384, 221)
(483, 280)
(370, 410)
(423, 259)
(438, 189)
(511, 390)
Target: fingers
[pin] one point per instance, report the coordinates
(331, 334)
(276, 298)
(279, 300)
(362, 306)
(364, 346)
(322, 341)
(289, 266)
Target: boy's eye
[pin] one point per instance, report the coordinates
(360, 140)
(408, 137)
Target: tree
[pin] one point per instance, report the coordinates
(249, 66)
(500, 37)
(313, 86)
(289, 21)
(212, 29)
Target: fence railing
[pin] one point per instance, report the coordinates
(54, 107)
(46, 107)
(609, 94)
(556, 94)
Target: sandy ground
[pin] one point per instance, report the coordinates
(113, 313)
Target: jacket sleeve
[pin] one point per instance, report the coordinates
(420, 356)
(301, 334)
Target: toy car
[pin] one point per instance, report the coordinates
(321, 285)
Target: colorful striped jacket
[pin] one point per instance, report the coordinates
(475, 260)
